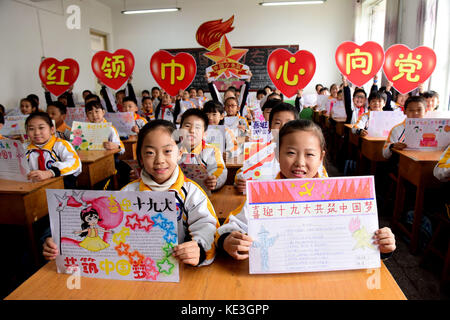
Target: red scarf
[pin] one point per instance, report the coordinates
(41, 160)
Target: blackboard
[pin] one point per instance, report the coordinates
(256, 58)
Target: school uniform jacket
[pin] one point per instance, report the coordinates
(397, 134)
(139, 121)
(197, 219)
(442, 168)
(237, 219)
(211, 157)
(63, 131)
(362, 123)
(59, 155)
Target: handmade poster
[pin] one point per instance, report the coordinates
(215, 135)
(196, 172)
(231, 122)
(113, 69)
(407, 68)
(14, 126)
(427, 134)
(259, 160)
(255, 109)
(321, 102)
(290, 72)
(89, 136)
(310, 100)
(173, 73)
(259, 132)
(122, 121)
(212, 36)
(381, 122)
(75, 114)
(338, 110)
(13, 161)
(122, 235)
(305, 225)
(359, 64)
(329, 105)
(58, 76)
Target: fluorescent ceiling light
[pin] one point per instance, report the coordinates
(289, 3)
(150, 10)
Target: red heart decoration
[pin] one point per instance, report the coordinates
(291, 71)
(113, 69)
(165, 78)
(349, 55)
(413, 66)
(57, 76)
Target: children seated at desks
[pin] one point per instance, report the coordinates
(415, 107)
(57, 112)
(356, 107)
(26, 107)
(442, 169)
(376, 103)
(166, 110)
(158, 155)
(196, 151)
(47, 155)
(300, 153)
(147, 108)
(130, 105)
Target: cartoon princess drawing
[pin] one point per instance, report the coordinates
(90, 229)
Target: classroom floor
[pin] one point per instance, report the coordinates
(418, 282)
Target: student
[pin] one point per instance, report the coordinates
(145, 93)
(442, 169)
(356, 107)
(47, 155)
(232, 110)
(201, 97)
(192, 93)
(196, 151)
(130, 105)
(399, 101)
(27, 106)
(57, 112)
(260, 94)
(147, 108)
(95, 114)
(301, 152)
(2, 110)
(376, 103)
(432, 98)
(318, 87)
(166, 110)
(91, 97)
(85, 94)
(298, 101)
(35, 100)
(65, 98)
(415, 107)
(156, 96)
(268, 106)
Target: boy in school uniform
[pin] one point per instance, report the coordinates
(415, 107)
(130, 105)
(196, 151)
(57, 112)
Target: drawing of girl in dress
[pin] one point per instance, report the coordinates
(90, 229)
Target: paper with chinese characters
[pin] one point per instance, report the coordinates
(122, 235)
(14, 126)
(259, 131)
(122, 121)
(13, 161)
(75, 114)
(196, 172)
(215, 135)
(89, 136)
(305, 225)
(381, 122)
(427, 134)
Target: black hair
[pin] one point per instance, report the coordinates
(129, 98)
(271, 103)
(146, 98)
(430, 94)
(92, 96)
(2, 109)
(376, 95)
(155, 88)
(418, 99)
(195, 112)
(272, 95)
(302, 125)
(358, 90)
(149, 127)
(213, 106)
(145, 91)
(319, 84)
(231, 88)
(397, 94)
(83, 215)
(261, 91)
(86, 91)
(2, 119)
(269, 87)
(323, 89)
(282, 106)
(91, 105)
(34, 106)
(59, 105)
(120, 91)
(231, 98)
(34, 97)
(42, 115)
(192, 88)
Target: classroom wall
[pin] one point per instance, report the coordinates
(316, 28)
(30, 30)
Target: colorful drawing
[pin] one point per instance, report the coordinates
(14, 126)
(381, 122)
(427, 133)
(122, 121)
(13, 162)
(123, 235)
(89, 136)
(360, 234)
(75, 114)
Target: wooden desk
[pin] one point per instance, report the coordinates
(23, 203)
(417, 168)
(97, 165)
(226, 200)
(315, 116)
(130, 149)
(233, 165)
(224, 279)
(372, 149)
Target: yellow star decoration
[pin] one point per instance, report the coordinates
(225, 53)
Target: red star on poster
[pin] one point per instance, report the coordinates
(225, 53)
(146, 223)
